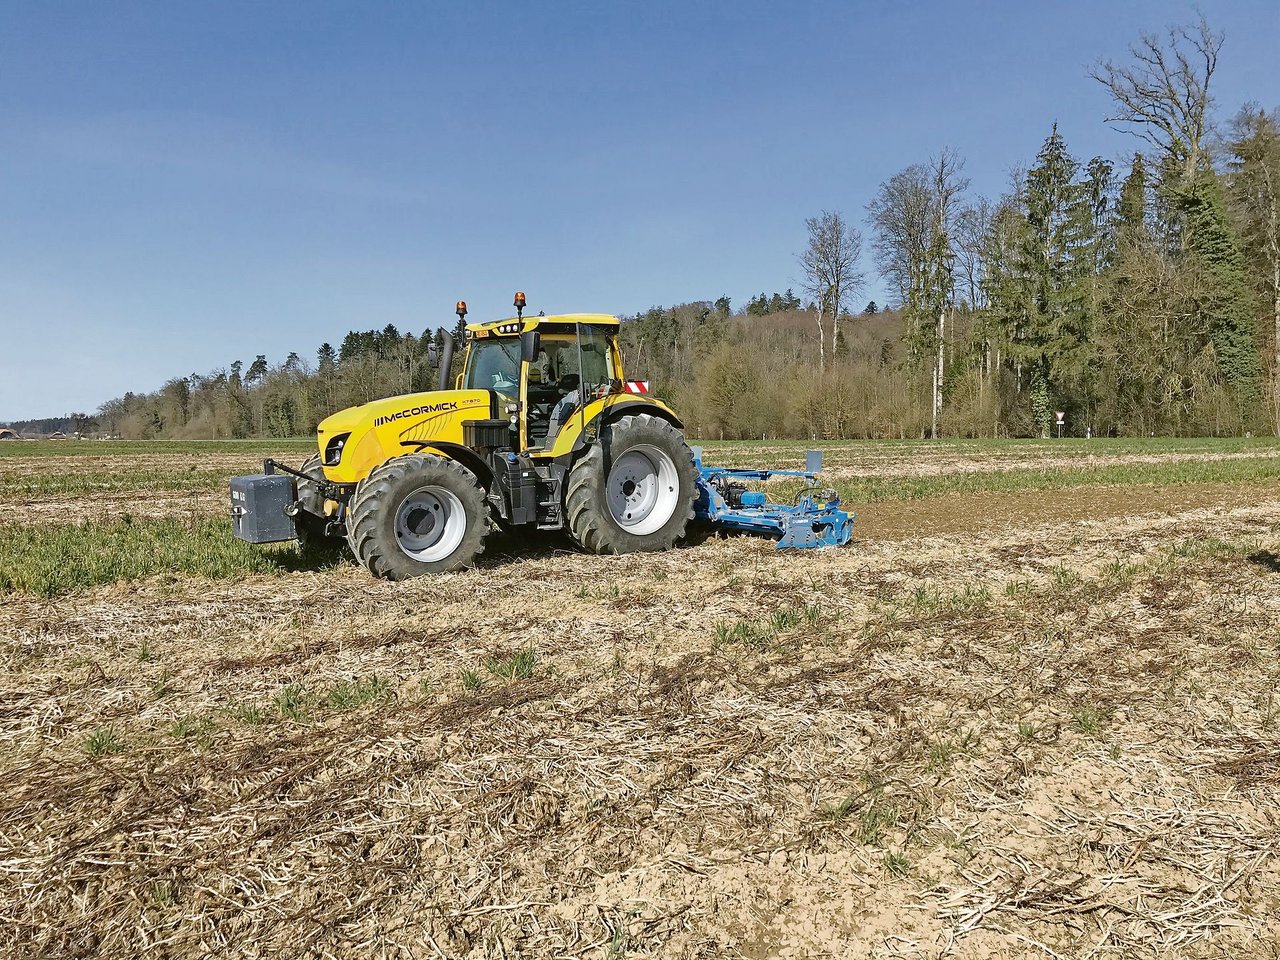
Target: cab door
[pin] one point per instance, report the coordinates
(535, 368)
(523, 434)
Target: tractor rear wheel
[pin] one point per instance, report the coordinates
(634, 489)
(415, 515)
(310, 522)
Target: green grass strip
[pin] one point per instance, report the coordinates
(745, 450)
(878, 489)
(50, 560)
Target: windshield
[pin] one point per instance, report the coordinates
(494, 365)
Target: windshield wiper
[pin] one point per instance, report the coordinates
(515, 360)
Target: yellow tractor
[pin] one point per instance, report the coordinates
(540, 430)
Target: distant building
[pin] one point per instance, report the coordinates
(8, 434)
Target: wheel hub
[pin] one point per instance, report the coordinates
(420, 521)
(430, 523)
(642, 489)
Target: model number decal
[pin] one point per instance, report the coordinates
(415, 411)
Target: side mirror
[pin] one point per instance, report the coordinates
(530, 344)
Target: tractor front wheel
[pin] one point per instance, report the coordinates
(310, 522)
(415, 515)
(633, 490)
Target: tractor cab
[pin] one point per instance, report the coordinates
(544, 370)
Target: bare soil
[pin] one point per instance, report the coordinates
(995, 726)
(18, 475)
(992, 512)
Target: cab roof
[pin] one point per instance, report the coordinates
(532, 323)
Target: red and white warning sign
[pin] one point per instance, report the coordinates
(1061, 415)
(637, 386)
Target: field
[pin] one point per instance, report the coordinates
(1030, 712)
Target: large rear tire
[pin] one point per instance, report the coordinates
(415, 515)
(633, 490)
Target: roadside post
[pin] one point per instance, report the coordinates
(1062, 416)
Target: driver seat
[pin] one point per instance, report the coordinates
(568, 402)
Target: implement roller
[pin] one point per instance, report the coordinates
(814, 519)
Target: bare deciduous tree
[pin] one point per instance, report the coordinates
(948, 184)
(1163, 97)
(972, 225)
(901, 216)
(914, 215)
(831, 271)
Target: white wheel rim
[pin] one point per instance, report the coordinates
(430, 523)
(642, 490)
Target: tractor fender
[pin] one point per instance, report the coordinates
(456, 451)
(652, 407)
(575, 436)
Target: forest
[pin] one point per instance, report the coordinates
(1138, 296)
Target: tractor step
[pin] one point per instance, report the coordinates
(813, 520)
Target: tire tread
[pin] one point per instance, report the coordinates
(368, 505)
(586, 510)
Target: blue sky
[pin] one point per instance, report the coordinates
(183, 185)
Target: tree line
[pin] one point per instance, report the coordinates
(1144, 300)
(1137, 296)
(285, 400)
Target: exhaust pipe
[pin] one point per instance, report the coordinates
(446, 348)
(446, 360)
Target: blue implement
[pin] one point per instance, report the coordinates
(814, 520)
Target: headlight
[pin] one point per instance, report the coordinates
(333, 450)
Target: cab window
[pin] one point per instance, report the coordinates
(494, 365)
(563, 361)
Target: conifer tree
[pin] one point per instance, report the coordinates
(1041, 277)
(327, 359)
(1254, 171)
(1226, 303)
(1131, 208)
